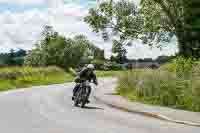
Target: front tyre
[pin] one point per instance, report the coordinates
(76, 99)
(76, 103)
(83, 104)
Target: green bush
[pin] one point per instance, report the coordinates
(175, 85)
(99, 64)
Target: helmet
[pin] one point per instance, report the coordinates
(91, 66)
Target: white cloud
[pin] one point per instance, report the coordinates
(22, 29)
(139, 50)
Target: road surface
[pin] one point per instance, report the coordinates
(48, 109)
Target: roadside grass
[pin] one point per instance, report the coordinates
(21, 77)
(24, 77)
(175, 85)
(107, 73)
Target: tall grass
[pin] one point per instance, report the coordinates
(176, 85)
(107, 73)
(17, 77)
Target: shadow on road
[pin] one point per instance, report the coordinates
(92, 107)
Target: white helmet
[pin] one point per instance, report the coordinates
(91, 66)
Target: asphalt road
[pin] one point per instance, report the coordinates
(48, 109)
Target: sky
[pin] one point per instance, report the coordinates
(22, 22)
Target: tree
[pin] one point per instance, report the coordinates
(20, 53)
(121, 18)
(174, 17)
(11, 56)
(55, 49)
(156, 21)
(120, 52)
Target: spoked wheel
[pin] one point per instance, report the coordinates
(81, 97)
(85, 99)
(76, 99)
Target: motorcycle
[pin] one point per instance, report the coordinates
(81, 96)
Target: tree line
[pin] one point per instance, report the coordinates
(13, 58)
(54, 49)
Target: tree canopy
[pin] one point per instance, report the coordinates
(153, 21)
(55, 49)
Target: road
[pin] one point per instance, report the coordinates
(48, 109)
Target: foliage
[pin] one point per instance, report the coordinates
(120, 17)
(155, 22)
(163, 59)
(120, 52)
(12, 58)
(107, 73)
(179, 18)
(57, 50)
(179, 64)
(99, 64)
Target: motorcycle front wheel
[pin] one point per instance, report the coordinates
(83, 104)
(76, 103)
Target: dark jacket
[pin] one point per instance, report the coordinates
(86, 74)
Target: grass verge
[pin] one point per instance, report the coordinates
(172, 85)
(16, 77)
(107, 73)
(24, 77)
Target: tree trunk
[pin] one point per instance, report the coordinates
(189, 45)
(189, 38)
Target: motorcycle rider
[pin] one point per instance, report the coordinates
(87, 73)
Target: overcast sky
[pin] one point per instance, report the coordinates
(22, 21)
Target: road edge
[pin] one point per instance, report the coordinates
(144, 113)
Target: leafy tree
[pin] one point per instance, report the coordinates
(20, 53)
(10, 61)
(119, 17)
(174, 17)
(156, 21)
(34, 57)
(13, 58)
(55, 49)
(120, 52)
